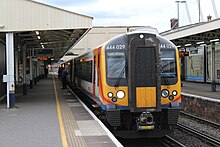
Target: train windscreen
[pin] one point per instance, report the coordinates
(168, 63)
(115, 65)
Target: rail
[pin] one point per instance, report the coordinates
(200, 135)
(171, 142)
(216, 125)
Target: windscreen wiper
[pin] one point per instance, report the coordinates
(120, 77)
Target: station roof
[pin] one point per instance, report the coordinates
(98, 35)
(194, 34)
(42, 26)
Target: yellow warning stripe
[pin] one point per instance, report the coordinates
(62, 130)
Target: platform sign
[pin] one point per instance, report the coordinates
(43, 53)
(184, 53)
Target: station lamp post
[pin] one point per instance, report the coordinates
(178, 9)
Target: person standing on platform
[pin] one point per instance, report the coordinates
(46, 72)
(64, 76)
(60, 72)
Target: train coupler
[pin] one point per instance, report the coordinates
(145, 121)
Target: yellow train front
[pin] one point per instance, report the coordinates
(134, 79)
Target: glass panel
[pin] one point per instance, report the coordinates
(115, 65)
(168, 63)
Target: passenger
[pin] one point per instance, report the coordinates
(60, 72)
(64, 75)
(46, 72)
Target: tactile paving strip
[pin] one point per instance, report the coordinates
(70, 123)
(89, 128)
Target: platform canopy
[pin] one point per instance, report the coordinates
(195, 34)
(42, 26)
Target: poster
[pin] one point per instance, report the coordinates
(195, 65)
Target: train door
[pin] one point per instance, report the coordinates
(94, 73)
(95, 80)
(143, 72)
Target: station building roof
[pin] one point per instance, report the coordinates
(58, 29)
(195, 33)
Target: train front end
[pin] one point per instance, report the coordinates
(141, 85)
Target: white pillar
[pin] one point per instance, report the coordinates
(10, 70)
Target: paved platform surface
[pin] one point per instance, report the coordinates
(49, 116)
(200, 89)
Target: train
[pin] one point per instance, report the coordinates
(133, 80)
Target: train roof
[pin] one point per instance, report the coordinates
(149, 30)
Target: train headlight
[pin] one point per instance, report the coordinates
(171, 97)
(164, 93)
(174, 93)
(110, 94)
(120, 94)
(114, 99)
(141, 36)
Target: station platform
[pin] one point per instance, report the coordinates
(200, 89)
(52, 117)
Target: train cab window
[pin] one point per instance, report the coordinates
(168, 63)
(115, 65)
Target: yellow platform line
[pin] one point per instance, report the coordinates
(62, 130)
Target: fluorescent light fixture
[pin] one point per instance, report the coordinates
(42, 46)
(188, 44)
(202, 42)
(37, 33)
(178, 46)
(52, 59)
(202, 45)
(213, 40)
(38, 37)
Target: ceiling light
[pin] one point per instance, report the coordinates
(38, 37)
(42, 46)
(213, 40)
(188, 44)
(200, 42)
(37, 33)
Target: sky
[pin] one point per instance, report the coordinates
(154, 13)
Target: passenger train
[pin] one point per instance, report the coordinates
(134, 80)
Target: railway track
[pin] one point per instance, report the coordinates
(168, 141)
(216, 125)
(206, 138)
